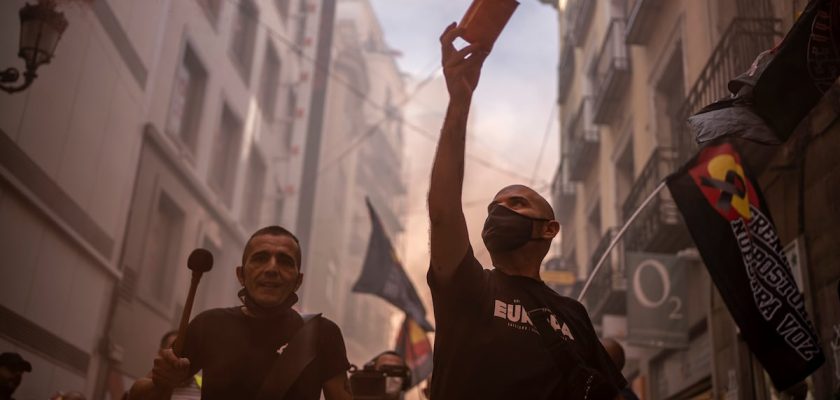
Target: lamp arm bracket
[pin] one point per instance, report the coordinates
(10, 75)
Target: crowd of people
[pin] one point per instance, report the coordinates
(502, 333)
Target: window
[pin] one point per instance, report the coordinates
(269, 83)
(187, 99)
(669, 96)
(254, 189)
(212, 9)
(225, 155)
(624, 175)
(243, 37)
(593, 228)
(161, 251)
(283, 8)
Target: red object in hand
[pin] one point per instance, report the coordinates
(485, 19)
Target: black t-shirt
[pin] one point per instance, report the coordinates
(235, 352)
(486, 346)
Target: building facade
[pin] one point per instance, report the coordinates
(630, 73)
(159, 127)
(360, 157)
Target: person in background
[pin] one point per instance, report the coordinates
(12, 367)
(616, 353)
(398, 376)
(189, 389)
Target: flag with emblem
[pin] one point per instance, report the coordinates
(729, 221)
(414, 347)
(383, 274)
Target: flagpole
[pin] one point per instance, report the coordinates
(617, 237)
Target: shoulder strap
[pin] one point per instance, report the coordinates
(584, 383)
(297, 354)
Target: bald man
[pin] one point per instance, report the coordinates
(501, 332)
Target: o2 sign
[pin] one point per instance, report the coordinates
(652, 300)
(656, 299)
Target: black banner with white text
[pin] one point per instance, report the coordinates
(731, 226)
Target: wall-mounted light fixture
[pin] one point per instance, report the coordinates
(41, 27)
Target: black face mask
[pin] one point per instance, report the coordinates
(268, 312)
(506, 230)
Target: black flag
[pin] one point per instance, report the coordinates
(783, 84)
(731, 226)
(802, 68)
(383, 275)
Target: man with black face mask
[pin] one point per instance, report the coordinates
(262, 349)
(501, 333)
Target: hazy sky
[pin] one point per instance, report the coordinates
(511, 110)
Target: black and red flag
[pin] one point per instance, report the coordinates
(729, 221)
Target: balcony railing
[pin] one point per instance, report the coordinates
(743, 40)
(582, 139)
(612, 73)
(658, 227)
(564, 193)
(607, 293)
(566, 71)
(640, 20)
(578, 19)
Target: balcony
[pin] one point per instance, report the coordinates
(582, 140)
(578, 19)
(640, 20)
(608, 292)
(658, 228)
(563, 194)
(743, 40)
(612, 73)
(560, 274)
(566, 72)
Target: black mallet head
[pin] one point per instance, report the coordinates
(200, 260)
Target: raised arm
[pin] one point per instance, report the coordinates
(449, 238)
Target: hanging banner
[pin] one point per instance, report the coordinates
(656, 300)
(730, 223)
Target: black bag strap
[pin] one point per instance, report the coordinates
(584, 383)
(290, 363)
(556, 343)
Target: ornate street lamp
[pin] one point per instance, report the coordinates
(41, 27)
